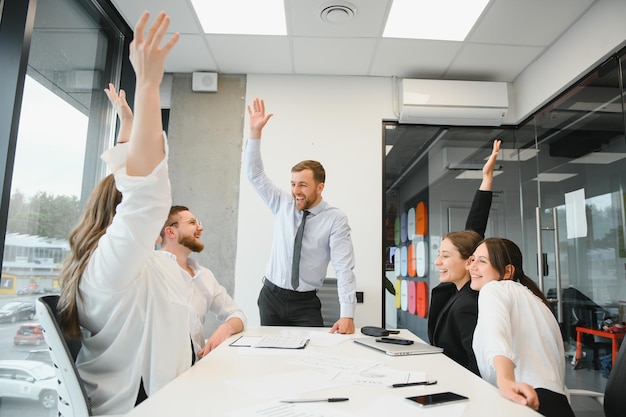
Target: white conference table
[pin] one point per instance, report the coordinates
(245, 381)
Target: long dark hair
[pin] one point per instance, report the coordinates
(503, 252)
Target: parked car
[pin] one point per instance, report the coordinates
(28, 291)
(17, 310)
(40, 355)
(29, 334)
(30, 380)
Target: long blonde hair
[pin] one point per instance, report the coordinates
(95, 219)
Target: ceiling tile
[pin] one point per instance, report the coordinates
(527, 22)
(482, 62)
(413, 58)
(258, 54)
(189, 55)
(332, 56)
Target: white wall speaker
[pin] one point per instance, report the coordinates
(204, 81)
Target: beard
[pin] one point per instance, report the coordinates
(191, 243)
(306, 203)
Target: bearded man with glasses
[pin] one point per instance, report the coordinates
(179, 238)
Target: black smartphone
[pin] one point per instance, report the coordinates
(394, 340)
(437, 399)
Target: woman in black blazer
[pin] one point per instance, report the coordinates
(453, 304)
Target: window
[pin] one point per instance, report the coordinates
(65, 123)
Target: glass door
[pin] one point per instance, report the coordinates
(573, 191)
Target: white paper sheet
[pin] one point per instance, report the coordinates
(575, 215)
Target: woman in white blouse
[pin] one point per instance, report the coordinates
(124, 300)
(517, 341)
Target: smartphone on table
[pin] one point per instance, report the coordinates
(395, 340)
(438, 398)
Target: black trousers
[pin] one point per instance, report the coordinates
(281, 307)
(552, 404)
(141, 395)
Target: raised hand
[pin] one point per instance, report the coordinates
(489, 167)
(123, 111)
(146, 148)
(146, 54)
(258, 118)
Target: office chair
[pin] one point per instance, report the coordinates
(330, 303)
(73, 399)
(614, 399)
(580, 310)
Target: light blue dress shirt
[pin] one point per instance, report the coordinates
(326, 237)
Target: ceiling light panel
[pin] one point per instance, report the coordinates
(449, 20)
(473, 175)
(600, 158)
(516, 154)
(553, 177)
(242, 17)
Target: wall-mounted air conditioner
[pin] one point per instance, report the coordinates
(449, 102)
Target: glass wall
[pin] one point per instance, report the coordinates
(65, 123)
(577, 188)
(559, 192)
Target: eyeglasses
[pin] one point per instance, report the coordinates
(193, 222)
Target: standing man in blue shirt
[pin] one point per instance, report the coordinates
(290, 298)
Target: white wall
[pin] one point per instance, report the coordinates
(336, 120)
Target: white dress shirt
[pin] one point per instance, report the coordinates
(326, 237)
(132, 300)
(206, 295)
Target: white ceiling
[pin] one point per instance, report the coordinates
(509, 36)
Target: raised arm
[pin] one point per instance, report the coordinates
(258, 118)
(146, 148)
(123, 111)
(479, 211)
(485, 185)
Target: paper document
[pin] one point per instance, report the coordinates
(271, 341)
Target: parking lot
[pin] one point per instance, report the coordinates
(12, 407)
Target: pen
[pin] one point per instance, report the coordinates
(412, 384)
(316, 400)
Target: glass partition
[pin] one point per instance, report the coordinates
(581, 176)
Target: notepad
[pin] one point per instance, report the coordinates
(271, 341)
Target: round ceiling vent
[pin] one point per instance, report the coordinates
(338, 14)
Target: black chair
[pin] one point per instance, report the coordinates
(614, 398)
(581, 311)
